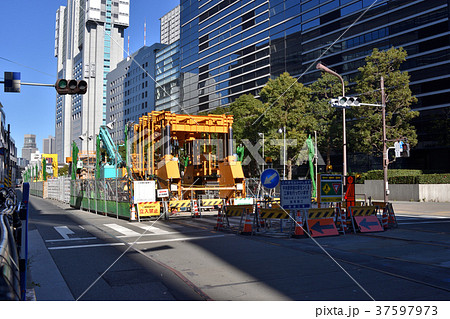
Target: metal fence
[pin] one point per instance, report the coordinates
(59, 189)
(101, 196)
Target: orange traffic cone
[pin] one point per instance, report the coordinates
(343, 221)
(298, 231)
(385, 219)
(195, 209)
(133, 213)
(219, 224)
(247, 225)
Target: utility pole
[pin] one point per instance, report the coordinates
(385, 155)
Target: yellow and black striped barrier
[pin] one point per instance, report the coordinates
(364, 210)
(238, 210)
(211, 202)
(318, 213)
(179, 203)
(274, 213)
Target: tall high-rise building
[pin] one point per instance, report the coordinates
(48, 145)
(131, 89)
(89, 36)
(232, 47)
(29, 146)
(170, 26)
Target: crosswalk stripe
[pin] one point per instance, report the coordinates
(152, 229)
(126, 232)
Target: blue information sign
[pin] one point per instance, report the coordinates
(270, 178)
(295, 194)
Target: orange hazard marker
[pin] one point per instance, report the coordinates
(247, 226)
(368, 223)
(322, 227)
(298, 231)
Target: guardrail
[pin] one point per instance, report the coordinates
(13, 244)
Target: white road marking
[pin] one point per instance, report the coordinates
(123, 230)
(139, 243)
(70, 239)
(64, 231)
(153, 229)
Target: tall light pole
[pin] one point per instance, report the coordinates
(116, 151)
(323, 68)
(385, 155)
(283, 130)
(264, 160)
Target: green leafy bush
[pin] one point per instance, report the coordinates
(434, 179)
(404, 176)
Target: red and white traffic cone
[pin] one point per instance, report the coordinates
(385, 219)
(343, 221)
(247, 226)
(133, 213)
(298, 231)
(219, 224)
(195, 209)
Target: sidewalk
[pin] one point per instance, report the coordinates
(422, 208)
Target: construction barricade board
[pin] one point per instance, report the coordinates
(269, 218)
(234, 211)
(365, 218)
(148, 209)
(320, 222)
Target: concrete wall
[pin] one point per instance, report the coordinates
(406, 192)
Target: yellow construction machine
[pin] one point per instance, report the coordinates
(189, 155)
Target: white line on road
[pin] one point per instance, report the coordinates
(123, 230)
(70, 239)
(153, 229)
(139, 243)
(64, 231)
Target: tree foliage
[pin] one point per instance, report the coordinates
(365, 135)
(329, 119)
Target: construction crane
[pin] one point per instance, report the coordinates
(110, 147)
(189, 155)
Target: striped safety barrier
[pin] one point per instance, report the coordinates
(320, 222)
(211, 202)
(365, 218)
(238, 210)
(274, 213)
(180, 203)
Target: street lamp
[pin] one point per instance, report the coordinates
(323, 68)
(264, 160)
(283, 130)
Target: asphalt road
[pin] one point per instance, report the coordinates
(77, 255)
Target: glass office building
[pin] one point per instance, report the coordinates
(232, 47)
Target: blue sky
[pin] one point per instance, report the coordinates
(27, 37)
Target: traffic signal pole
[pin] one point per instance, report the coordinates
(385, 155)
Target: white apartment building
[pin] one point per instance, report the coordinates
(89, 38)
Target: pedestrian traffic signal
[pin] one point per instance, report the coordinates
(64, 86)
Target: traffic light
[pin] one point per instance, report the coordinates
(346, 102)
(64, 86)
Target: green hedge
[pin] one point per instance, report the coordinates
(404, 176)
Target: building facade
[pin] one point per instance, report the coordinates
(89, 37)
(131, 89)
(29, 146)
(167, 91)
(232, 47)
(48, 145)
(170, 26)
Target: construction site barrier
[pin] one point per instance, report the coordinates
(177, 204)
(365, 217)
(275, 213)
(321, 222)
(211, 202)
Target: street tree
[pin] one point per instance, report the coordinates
(328, 118)
(365, 133)
(286, 104)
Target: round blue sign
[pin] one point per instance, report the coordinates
(270, 178)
